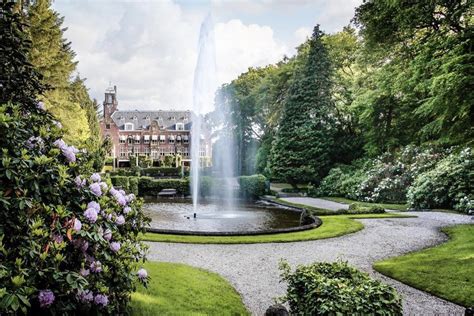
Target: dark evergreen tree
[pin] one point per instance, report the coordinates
(302, 147)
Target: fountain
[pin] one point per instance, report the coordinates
(222, 214)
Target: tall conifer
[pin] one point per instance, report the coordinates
(301, 150)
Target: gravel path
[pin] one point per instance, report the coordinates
(319, 203)
(253, 268)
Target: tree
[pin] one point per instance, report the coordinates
(301, 149)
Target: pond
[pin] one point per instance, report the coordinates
(216, 217)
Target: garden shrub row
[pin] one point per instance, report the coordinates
(423, 178)
(337, 289)
(147, 172)
(251, 187)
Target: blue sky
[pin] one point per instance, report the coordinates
(149, 48)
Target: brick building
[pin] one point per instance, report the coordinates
(155, 134)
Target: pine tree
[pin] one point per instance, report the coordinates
(301, 149)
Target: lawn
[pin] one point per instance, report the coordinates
(446, 271)
(333, 226)
(390, 206)
(178, 289)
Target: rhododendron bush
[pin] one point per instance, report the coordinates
(68, 242)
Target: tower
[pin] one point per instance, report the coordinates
(110, 103)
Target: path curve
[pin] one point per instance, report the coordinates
(318, 203)
(253, 268)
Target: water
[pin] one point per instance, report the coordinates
(215, 217)
(204, 88)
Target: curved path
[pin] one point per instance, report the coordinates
(253, 268)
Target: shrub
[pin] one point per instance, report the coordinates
(356, 208)
(133, 185)
(448, 185)
(120, 182)
(160, 172)
(151, 187)
(68, 243)
(253, 186)
(336, 288)
(206, 186)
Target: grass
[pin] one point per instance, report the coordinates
(178, 289)
(446, 270)
(390, 206)
(333, 226)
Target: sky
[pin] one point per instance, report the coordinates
(149, 48)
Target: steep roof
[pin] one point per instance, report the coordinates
(142, 119)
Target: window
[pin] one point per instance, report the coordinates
(202, 152)
(129, 126)
(107, 126)
(185, 139)
(130, 139)
(109, 98)
(146, 139)
(122, 139)
(147, 151)
(179, 126)
(137, 139)
(154, 154)
(162, 151)
(185, 151)
(178, 139)
(162, 139)
(123, 151)
(136, 150)
(171, 139)
(154, 139)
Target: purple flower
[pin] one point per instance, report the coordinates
(96, 267)
(95, 177)
(85, 296)
(95, 188)
(40, 105)
(115, 246)
(58, 239)
(120, 220)
(101, 300)
(127, 210)
(68, 152)
(142, 274)
(60, 143)
(58, 124)
(94, 205)
(77, 225)
(46, 298)
(84, 272)
(108, 234)
(80, 183)
(104, 186)
(33, 142)
(130, 197)
(91, 215)
(122, 192)
(121, 200)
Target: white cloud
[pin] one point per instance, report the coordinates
(149, 49)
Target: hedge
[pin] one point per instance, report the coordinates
(151, 187)
(160, 172)
(120, 182)
(251, 187)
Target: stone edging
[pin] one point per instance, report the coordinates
(316, 222)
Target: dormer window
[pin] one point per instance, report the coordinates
(129, 126)
(172, 118)
(179, 126)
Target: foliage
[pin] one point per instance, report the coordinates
(253, 186)
(178, 289)
(120, 182)
(39, 183)
(330, 288)
(448, 185)
(151, 187)
(67, 243)
(428, 269)
(301, 149)
(161, 172)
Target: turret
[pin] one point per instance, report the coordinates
(110, 103)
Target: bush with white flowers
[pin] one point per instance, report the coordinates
(68, 242)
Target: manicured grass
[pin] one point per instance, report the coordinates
(390, 206)
(446, 271)
(178, 289)
(333, 226)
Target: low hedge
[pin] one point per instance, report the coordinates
(324, 288)
(160, 172)
(251, 187)
(151, 186)
(120, 182)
